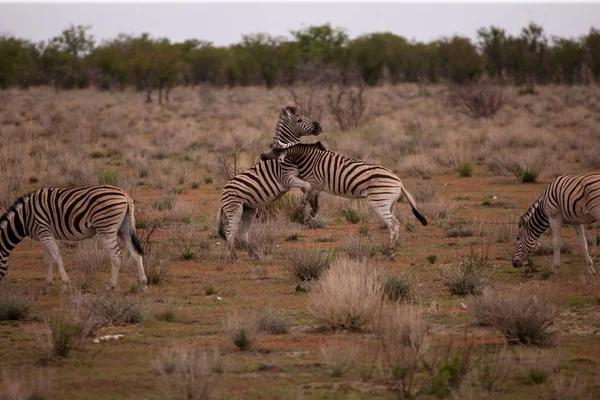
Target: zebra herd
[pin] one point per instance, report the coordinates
(78, 213)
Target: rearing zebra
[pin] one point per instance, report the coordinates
(569, 199)
(72, 213)
(258, 186)
(339, 175)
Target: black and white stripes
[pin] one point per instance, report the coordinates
(291, 126)
(72, 213)
(569, 199)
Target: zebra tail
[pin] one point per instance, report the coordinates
(413, 205)
(134, 237)
(220, 229)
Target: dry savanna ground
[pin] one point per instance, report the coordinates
(448, 317)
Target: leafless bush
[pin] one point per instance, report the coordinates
(525, 166)
(359, 247)
(523, 314)
(439, 210)
(187, 373)
(402, 340)
(118, 309)
(20, 384)
(347, 106)
(308, 99)
(505, 231)
(229, 157)
(348, 296)
(182, 211)
(459, 229)
(477, 100)
(425, 192)
(308, 264)
(265, 235)
(89, 258)
(156, 263)
(242, 330)
(14, 305)
(339, 359)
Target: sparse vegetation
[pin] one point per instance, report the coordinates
(359, 247)
(308, 264)
(242, 330)
(14, 306)
(272, 321)
(397, 287)
(522, 315)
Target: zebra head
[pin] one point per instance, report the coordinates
(291, 126)
(528, 238)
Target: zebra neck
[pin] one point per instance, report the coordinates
(284, 137)
(538, 222)
(13, 228)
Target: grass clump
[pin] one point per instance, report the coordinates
(272, 321)
(14, 306)
(25, 384)
(308, 264)
(522, 315)
(339, 359)
(465, 169)
(65, 332)
(242, 331)
(359, 247)
(397, 287)
(459, 229)
(350, 215)
(470, 277)
(187, 373)
(432, 258)
(450, 370)
(348, 296)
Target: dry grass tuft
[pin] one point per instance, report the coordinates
(339, 359)
(272, 321)
(359, 247)
(187, 373)
(20, 384)
(526, 166)
(89, 259)
(242, 330)
(348, 296)
(14, 305)
(506, 231)
(308, 264)
(522, 315)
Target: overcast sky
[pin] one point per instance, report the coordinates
(224, 23)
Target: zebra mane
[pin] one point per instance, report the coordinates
(10, 211)
(535, 208)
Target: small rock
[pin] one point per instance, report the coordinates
(96, 340)
(219, 299)
(463, 306)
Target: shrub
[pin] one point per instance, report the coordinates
(359, 247)
(525, 166)
(308, 264)
(465, 169)
(450, 370)
(157, 267)
(459, 229)
(506, 231)
(470, 277)
(347, 106)
(113, 178)
(397, 287)
(425, 192)
(210, 290)
(491, 376)
(265, 235)
(401, 335)
(521, 315)
(187, 373)
(432, 258)
(286, 206)
(65, 334)
(537, 368)
(348, 296)
(271, 321)
(242, 331)
(477, 100)
(117, 309)
(14, 306)
(163, 203)
(438, 210)
(339, 359)
(350, 215)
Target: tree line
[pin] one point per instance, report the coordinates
(316, 53)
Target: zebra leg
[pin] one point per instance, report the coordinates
(53, 253)
(233, 216)
(584, 248)
(382, 209)
(314, 204)
(125, 235)
(109, 241)
(556, 224)
(48, 262)
(247, 218)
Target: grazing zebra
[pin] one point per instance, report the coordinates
(339, 175)
(243, 195)
(569, 199)
(72, 213)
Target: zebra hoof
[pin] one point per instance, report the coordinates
(144, 287)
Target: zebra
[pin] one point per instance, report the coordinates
(72, 213)
(569, 199)
(258, 186)
(243, 195)
(291, 126)
(339, 175)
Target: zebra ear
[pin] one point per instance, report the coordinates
(521, 222)
(292, 110)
